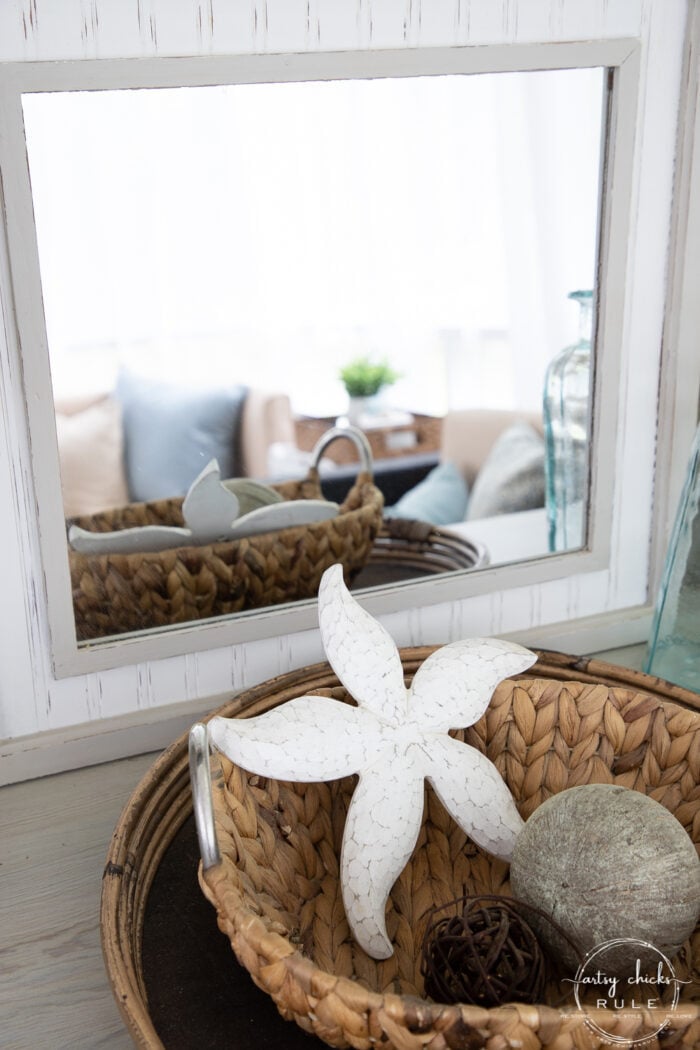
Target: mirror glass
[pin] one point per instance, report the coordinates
(228, 272)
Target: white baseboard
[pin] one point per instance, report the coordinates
(615, 637)
(90, 743)
(594, 635)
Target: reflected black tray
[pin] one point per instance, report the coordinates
(199, 996)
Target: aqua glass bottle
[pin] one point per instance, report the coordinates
(673, 651)
(566, 415)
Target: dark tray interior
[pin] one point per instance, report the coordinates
(198, 994)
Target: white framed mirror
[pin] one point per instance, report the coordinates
(32, 97)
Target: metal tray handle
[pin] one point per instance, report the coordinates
(200, 776)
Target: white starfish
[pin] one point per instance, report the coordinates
(394, 738)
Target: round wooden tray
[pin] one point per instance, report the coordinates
(173, 974)
(406, 549)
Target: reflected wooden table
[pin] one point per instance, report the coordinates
(420, 434)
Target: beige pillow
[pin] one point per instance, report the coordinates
(90, 447)
(512, 477)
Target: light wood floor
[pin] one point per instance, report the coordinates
(54, 835)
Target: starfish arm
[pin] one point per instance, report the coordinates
(360, 650)
(208, 508)
(381, 829)
(310, 738)
(126, 541)
(452, 688)
(472, 790)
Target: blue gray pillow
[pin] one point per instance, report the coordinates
(512, 475)
(171, 432)
(441, 498)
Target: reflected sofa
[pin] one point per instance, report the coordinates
(480, 450)
(490, 463)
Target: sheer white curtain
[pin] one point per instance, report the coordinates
(268, 233)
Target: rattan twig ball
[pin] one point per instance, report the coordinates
(486, 954)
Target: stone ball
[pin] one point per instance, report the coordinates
(607, 862)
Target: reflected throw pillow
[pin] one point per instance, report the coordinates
(440, 499)
(90, 453)
(172, 431)
(512, 476)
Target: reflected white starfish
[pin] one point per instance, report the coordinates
(214, 511)
(394, 738)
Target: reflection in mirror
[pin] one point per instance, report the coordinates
(213, 259)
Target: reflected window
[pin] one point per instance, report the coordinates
(280, 230)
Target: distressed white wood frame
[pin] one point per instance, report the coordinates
(593, 565)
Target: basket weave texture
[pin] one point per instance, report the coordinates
(277, 890)
(114, 593)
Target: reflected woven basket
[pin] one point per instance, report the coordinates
(277, 891)
(117, 593)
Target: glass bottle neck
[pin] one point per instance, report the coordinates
(585, 320)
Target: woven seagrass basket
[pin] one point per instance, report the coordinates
(277, 891)
(117, 593)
